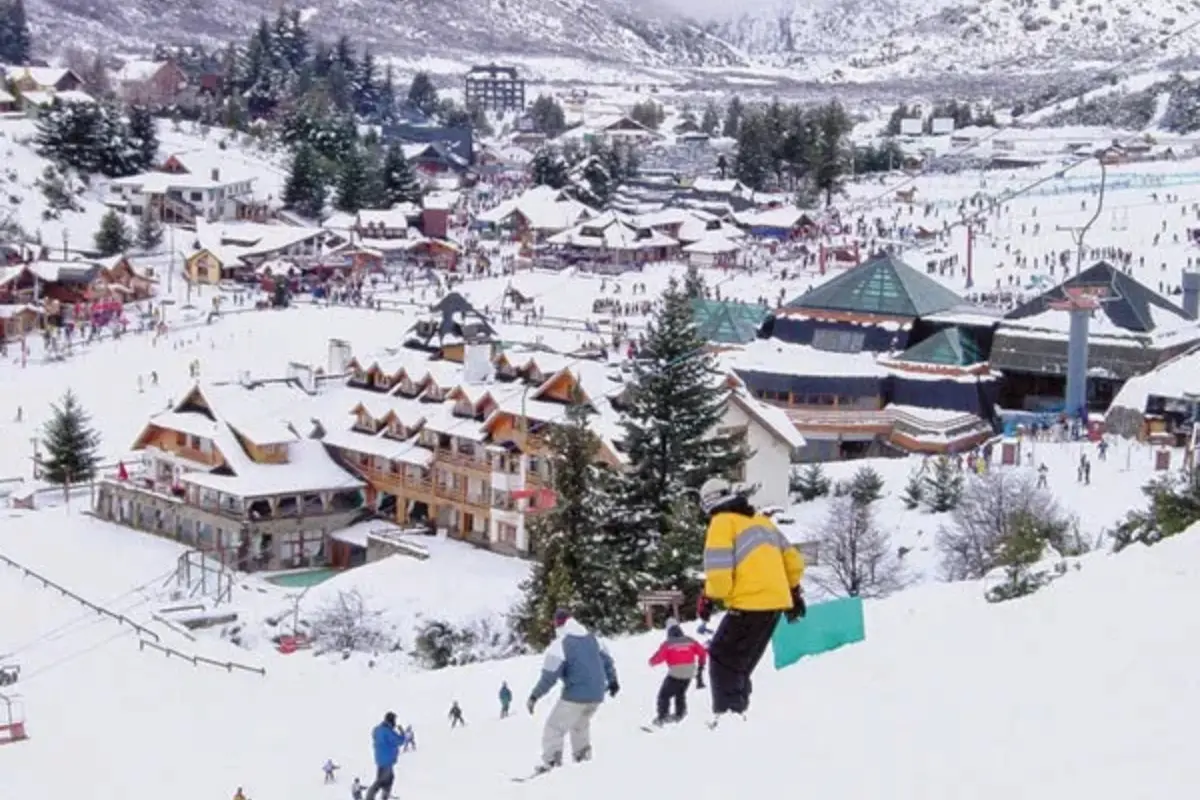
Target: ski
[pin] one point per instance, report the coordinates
(531, 776)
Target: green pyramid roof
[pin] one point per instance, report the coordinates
(950, 347)
(883, 285)
(728, 322)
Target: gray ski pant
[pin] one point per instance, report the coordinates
(566, 718)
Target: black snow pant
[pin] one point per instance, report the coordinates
(737, 647)
(384, 777)
(673, 689)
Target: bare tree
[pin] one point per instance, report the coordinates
(858, 556)
(345, 623)
(993, 509)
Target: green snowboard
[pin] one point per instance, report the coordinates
(827, 626)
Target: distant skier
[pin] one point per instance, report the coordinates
(410, 739)
(682, 654)
(583, 664)
(330, 769)
(386, 741)
(505, 699)
(756, 573)
(356, 790)
(239, 794)
(456, 715)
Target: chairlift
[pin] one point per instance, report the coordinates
(12, 720)
(9, 673)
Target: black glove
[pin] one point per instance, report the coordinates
(699, 680)
(799, 607)
(704, 609)
(532, 702)
(613, 688)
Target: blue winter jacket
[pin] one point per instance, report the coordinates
(581, 662)
(387, 742)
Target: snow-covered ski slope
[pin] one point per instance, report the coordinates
(1087, 689)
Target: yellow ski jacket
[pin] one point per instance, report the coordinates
(748, 564)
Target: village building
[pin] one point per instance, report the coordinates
(534, 215)
(1133, 331)
(226, 470)
(447, 434)
(8, 103)
(612, 242)
(494, 88)
(862, 367)
(150, 83)
(47, 80)
(233, 250)
(190, 186)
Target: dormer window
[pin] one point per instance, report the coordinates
(463, 408)
(381, 380)
(358, 376)
(407, 387)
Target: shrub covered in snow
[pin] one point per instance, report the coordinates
(442, 644)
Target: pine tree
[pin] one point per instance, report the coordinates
(113, 236)
(671, 411)
(70, 444)
(914, 490)
(385, 109)
(693, 283)
(574, 558)
(400, 184)
(599, 182)
(547, 116)
(306, 188)
(943, 489)
(711, 120)
(548, 169)
(352, 181)
(422, 95)
(366, 85)
(866, 486)
(149, 232)
(143, 135)
(16, 42)
(811, 483)
(733, 118)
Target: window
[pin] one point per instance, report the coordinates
(196, 197)
(194, 442)
(838, 341)
(506, 533)
(181, 439)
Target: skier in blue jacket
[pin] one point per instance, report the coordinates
(386, 741)
(583, 664)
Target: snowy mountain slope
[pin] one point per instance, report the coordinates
(21, 199)
(610, 30)
(897, 38)
(1086, 689)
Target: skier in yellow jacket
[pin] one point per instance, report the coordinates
(755, 572)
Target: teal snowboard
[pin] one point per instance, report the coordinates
(827, 626)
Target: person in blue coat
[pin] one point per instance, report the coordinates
(505, 699)
(581, 661)
(386, 740)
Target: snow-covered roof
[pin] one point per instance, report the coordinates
(137, 71)
(544, 209)
(773, 419)
(263, 415)
(39, 98)
(713, 243)
(611, 231)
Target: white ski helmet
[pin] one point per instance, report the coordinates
(716, 492)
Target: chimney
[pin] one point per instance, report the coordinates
(339, 357)
(216, 174)
(1191, 293)
(304, 375)
(477, 362)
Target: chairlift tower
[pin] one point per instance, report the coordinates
(1079, 302)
